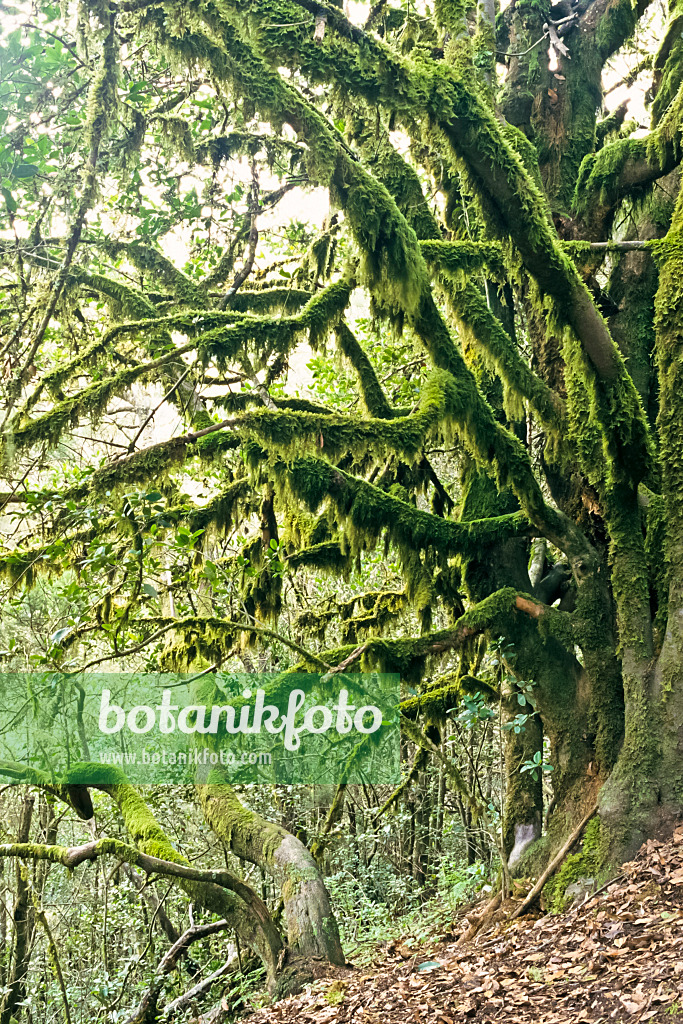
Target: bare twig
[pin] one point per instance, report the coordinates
(246, 270)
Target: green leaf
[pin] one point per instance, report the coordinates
(149, 591)
(25, 171)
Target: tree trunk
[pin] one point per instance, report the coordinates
(22, 921)
(310, 923)
(257, 932)
(523, 811)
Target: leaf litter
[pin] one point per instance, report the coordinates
(617, 956)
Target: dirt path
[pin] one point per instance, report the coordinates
(616, 957)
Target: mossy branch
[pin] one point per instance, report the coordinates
(515, 207)
(92, 401)
(489, 336)
(72, 856)
(438, 701)
(368, 512)
(626, 168)
(460, 259)
(251, 919)
(407, 656)
(375, 400)
(152, 261)
(218, 637)
(100, 106)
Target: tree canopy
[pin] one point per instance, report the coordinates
(480, 259)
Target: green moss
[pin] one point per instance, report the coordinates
(436, 703)
(218, 513)
(92, 402)
(293, 433)
(629, 166)
(489, 337)
(221, 337)
(615, 27)
(408, 657)
(460, 259)
(142, 826)
(609, 124)
(602, 174)
(587, 863)
(367, 512)
(328, 556)
(270, 300)
(222, 148)
(667, 66)
(152, 261)
(655, 516)
(175, 135)
(373, 396)
(664, 516)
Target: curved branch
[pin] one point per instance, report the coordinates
(72, 856)
(405, 654)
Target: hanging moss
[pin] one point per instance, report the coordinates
(152, 261)
(92, 401)
(392, 262)
(370, 511)
(328, 555)
(408, 656)
(219, 512)
(222, 148)
(667, 64)
(270, 300)
(498, 175)
(606, 458)
(25, 565)
(151, 464)
(459, 260)
(436, 704)
(128, 300)
(375, 609)
(292, 433)
(176, 135)
(489, 336)
(494, 447)
(218, 343)
(628, 167)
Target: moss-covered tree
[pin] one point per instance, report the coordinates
(525, 478)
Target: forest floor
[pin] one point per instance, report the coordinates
(615, 956)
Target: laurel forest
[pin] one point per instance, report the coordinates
(336, 338)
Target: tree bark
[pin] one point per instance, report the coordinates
(22, 923)
(310, 924)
